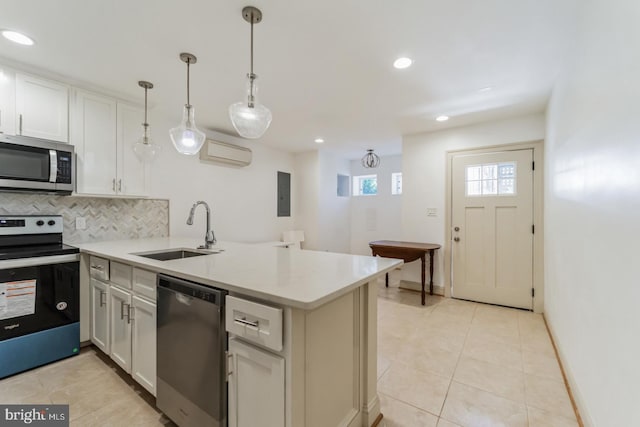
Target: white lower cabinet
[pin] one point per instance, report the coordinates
(256, 387)
(99, 300)
(123, 317)
(120, 312)
(143, 363)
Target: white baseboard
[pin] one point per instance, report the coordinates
(583, 413)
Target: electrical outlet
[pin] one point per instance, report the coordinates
(81, 223)
(432, 212)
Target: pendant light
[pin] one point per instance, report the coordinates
(250, 118)
(370, 160)
(146, 150)
(186, 137)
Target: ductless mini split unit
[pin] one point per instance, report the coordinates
(222, 152)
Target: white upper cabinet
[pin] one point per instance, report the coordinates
(94, 136)
(103, 131)
(132, 173)
(7, 101)
(42, 108)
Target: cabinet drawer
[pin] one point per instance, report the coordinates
(121, 274)
(144, 283)
(254, 322)
(99, 267)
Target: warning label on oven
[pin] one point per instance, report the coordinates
(17, 298)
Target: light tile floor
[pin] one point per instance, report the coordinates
(98, 394)
(450, 363)
(459, 363)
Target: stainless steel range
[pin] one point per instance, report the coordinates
(39, 293)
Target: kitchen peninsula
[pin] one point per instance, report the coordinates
(320, 367)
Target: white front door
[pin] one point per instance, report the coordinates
(492, 227)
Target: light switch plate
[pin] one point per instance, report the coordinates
(81, 223)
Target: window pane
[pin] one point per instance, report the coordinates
(507, 170)
(369, 186)
(396, 183)
(474, 188)
(489, 171)
(365, 185)
(473, 173)
(490, 186)
(506, 186)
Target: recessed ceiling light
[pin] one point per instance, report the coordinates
(401, 63)
(319, 140)
(17, 37)
(486, 89)
(442, 118)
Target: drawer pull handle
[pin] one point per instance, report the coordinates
(246, 322)
(98, 267)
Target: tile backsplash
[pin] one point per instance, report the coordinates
(106, 219)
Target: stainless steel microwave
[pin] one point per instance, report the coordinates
(36, 165)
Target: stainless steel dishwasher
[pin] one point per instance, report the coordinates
(191, 344)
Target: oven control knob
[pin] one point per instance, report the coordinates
(51, 222)
(40, 223)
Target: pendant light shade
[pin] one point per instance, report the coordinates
(250, 118)
(145, 148)
(370, 160)
(186, 137)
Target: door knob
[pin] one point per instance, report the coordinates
(456, 239)
(456, 228)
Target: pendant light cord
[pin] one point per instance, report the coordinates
(251, 75)
(252, 43)
(145, 106)
(188, 64)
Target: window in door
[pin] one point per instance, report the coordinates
(491, 179)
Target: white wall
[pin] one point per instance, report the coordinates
(334, 212)
(424, 169)
(243, 200)
(376, 217)
(592, 200)
(320, 213)
(307, 178)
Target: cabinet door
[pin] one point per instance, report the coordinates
(132, 173)
(93, 132)
(42, 108)
(120, 328)
(256, 387)
(143, 363)
(7, 101)
(99, 306)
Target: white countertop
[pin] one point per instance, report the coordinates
(292, 277)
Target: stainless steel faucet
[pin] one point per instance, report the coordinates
(209, 238)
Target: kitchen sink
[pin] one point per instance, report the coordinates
(170, 254)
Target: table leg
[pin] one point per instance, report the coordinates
(423, 268)
(386, 280)
(431, 271)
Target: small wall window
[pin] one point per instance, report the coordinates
(396, 183)
(491, 179)
(365, 185)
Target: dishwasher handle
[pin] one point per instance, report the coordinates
(190, 289)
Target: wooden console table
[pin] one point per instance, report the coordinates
(407, 251)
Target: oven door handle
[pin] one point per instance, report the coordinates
(34, 262)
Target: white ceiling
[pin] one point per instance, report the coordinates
(324, 67)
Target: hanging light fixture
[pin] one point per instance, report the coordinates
(186, 137)
(249, 118)
(370, 160)
(144, 147)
